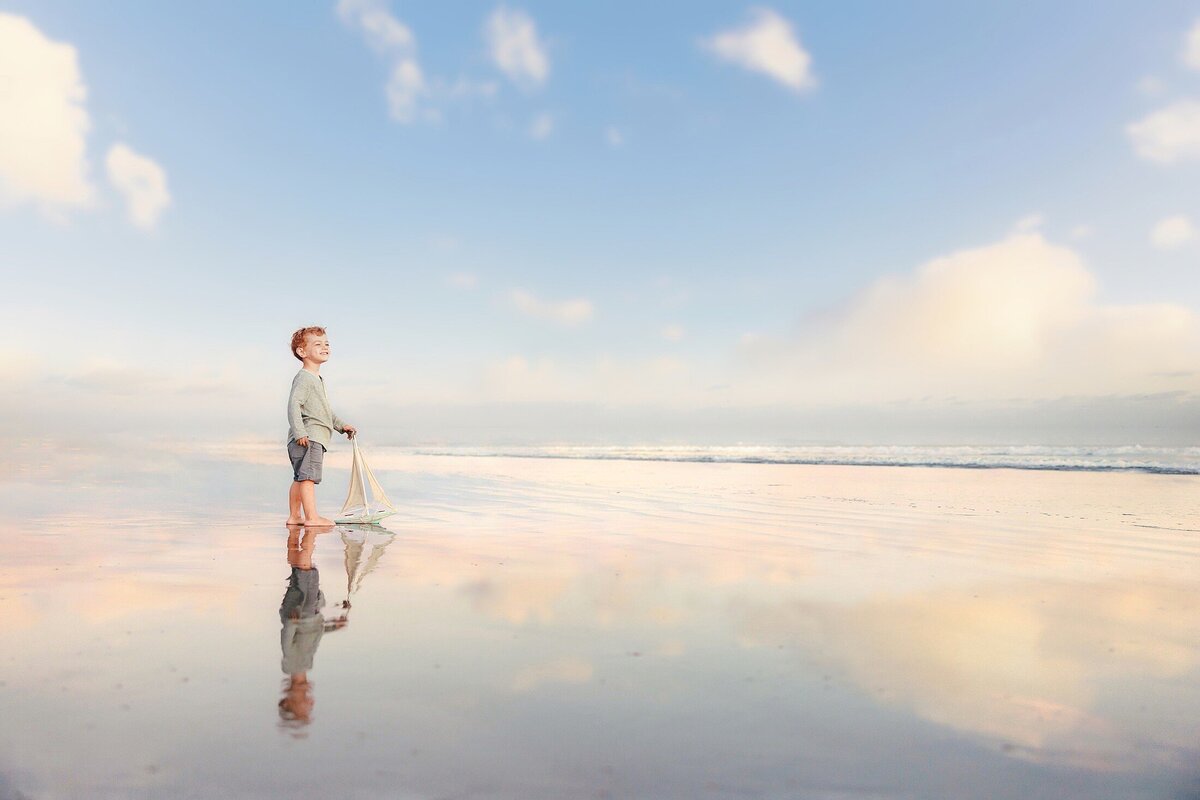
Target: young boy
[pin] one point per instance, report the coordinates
(312, 423)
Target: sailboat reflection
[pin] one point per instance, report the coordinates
(306, 617)
(364, 547)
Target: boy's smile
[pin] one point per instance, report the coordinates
(316, 349)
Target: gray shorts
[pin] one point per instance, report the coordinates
(306, 461)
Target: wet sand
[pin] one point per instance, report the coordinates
(576, 629)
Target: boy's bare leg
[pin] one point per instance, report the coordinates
(294, 505)
(308, 500)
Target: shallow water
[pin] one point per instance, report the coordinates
(561, 629)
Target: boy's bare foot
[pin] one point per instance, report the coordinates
(318, 522)
(294, 521)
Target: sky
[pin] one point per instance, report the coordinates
(859, 222)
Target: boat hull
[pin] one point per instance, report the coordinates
(368, 518)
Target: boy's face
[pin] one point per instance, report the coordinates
(315, 348)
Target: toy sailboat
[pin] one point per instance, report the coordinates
(366, 501)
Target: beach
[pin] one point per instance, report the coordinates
(600, 628)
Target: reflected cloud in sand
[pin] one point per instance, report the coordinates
(1045, 670)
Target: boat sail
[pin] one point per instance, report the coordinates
(366, 501)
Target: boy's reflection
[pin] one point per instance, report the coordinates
(304, 615)
(303, 625)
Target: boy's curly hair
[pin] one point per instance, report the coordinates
(299, 336)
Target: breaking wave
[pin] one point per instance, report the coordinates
(1127, 458)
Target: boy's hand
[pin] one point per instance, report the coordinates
(349, 430)
(302, 441)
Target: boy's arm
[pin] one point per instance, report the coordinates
(341, 426)
(295, 417)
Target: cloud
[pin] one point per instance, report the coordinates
(392, 39)
(141, 181)
(44, 126)
(515, 48)
(542, 127)
(1172, 232)
(1013, 318)
(565, 312)
(768, 45)
(1169, 135)
(43, 120)
(405, 87)
(412, 95)
(1191, 48)
(614, 136)
(382, 31)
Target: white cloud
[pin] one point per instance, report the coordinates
(141, 181)
(406, 86)
(1172, 232)
(515, 48)
(673, 333)
(43, 121)
(542, 127)
(1080, 232)
(1169, 135)
(412, 95)
(382, 31)
(565, 312)
(1013, 318)
(614, 136)
(1191, 49)
(768, 45)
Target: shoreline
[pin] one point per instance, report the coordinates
(1146, 470)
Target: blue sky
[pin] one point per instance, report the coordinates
(625, 214)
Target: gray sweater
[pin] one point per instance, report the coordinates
(309, 413)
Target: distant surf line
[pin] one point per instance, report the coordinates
(1049, 466)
